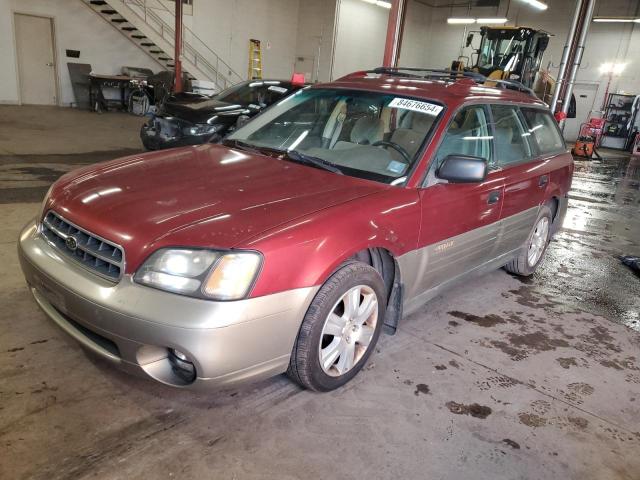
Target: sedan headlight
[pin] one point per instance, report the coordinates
(201, 273)
(202, 129)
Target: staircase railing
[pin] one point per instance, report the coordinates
(192, 47)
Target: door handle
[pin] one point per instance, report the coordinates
(544, 179)
(50, 64)
(493, 197)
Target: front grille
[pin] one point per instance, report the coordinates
(100, 256)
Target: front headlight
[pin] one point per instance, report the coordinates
(201, 273)
(202, 129)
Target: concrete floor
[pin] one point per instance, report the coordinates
(496, 379)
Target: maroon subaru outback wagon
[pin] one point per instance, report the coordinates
(288, 247)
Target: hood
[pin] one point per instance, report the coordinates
(204, 196)
(200, 110)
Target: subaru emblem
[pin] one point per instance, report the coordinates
(71, 243)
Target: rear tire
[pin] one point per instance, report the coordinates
(533, 250)
(340, 330)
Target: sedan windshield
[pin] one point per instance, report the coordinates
(369, 135)
(261, 92)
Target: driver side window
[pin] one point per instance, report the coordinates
(468, 134)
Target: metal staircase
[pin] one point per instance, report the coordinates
(149, 25)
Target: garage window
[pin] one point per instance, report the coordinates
(544, 131)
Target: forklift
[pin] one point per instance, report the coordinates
(506, 53)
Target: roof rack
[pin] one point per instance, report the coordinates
(452, 75)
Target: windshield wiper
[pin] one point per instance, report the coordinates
(311, 160)
(293, 155)
(241, 145)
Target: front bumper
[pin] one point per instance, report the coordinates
(133, 326)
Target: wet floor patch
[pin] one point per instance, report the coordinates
(626, 363)
(23, 195)
(579, 422)
(538, 341)
(532, 420)
(520, 346)
(490, 320)
(582, 266)
(26, 178)
(474, 409)
(421, 388)
(513, 444)
(567, 362)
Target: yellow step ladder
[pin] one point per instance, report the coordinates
(255, 59)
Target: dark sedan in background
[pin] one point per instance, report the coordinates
(192, 119)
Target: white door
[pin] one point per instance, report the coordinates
(585, 94)
(36, 60)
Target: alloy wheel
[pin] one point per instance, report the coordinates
(538, 241)
(348, 330)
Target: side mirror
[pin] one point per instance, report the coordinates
(463, 169)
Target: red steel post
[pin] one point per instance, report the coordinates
(394, 33)
(178, 48)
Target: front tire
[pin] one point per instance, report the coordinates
(532, 252)
(340, 330)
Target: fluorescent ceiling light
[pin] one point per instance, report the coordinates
(537, 4)
(616, 20)
(380, 3)
(488, 21)
(615, 68)
(469, 21)
(461, 21)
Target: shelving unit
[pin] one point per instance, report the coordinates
(619, 115)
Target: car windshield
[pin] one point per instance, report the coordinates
(258, 92)
(370, 135)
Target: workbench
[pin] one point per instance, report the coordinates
(97, 84)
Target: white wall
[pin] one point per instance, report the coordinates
(287, 29)
(77, 28)
(362, 29)
(227, 26)
(415, 40)
(316, 20)
(360, 38)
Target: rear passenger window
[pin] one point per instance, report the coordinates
(510, 136)
(542, 127)
(468, 134)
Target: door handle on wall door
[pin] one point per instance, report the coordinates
(493, 197)
(50, 64)
(544, 179)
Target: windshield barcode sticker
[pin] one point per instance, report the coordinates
(416, 106)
